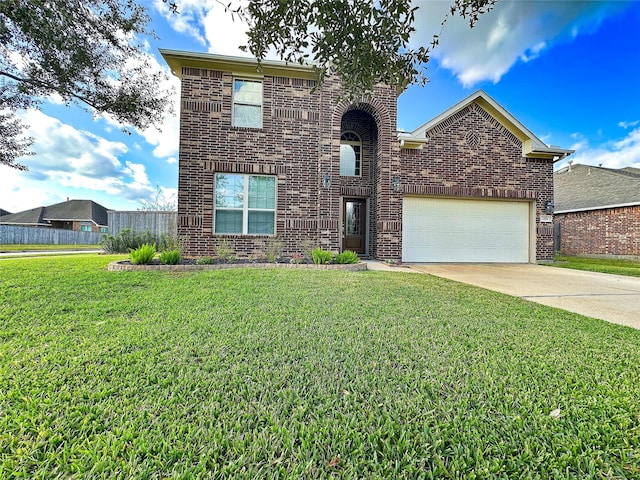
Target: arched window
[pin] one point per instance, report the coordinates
(350, 148)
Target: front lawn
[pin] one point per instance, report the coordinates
(603, 265)
(303, 374)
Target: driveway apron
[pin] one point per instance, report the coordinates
(614, 298)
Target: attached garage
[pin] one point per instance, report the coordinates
(465, 230)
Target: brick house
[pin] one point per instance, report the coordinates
(597, 210)
(266, 154)
(78, 215)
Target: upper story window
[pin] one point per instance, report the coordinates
(350, 148)
(247, 103)
(245, 204)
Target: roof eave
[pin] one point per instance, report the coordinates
(556, 154)
(176, 59)
(601, 207)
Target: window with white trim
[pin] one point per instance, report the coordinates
(247, 103)
(244, 204)
(350, 148)
(86, 227)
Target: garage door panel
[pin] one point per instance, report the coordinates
(462, 230)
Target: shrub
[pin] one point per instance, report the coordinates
(204, 261)
(170, 257)
(346, 257)
(126, 241)
(273, 248)
(143, 255)
(170, 241)
(321, 257)
(297, 258)
(307, 247)
(224, 251)
(112, 244)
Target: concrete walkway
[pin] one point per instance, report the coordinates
(614, 298)
(40, 253)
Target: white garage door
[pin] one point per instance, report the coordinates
(460, 230)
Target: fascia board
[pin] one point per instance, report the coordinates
(603, 207)
(176, 59)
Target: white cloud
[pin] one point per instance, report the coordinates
(619, 153)
(71, 163)
(188, 20)
(513, 31)
(166, 136)
(172, 160)
(627, 125)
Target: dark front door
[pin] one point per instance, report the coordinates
(354, 215)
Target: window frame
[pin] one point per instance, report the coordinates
(234, 102)
(245, 209)
(86, 227)
(353, 143)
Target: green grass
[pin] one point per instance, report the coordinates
(603, 265)
(303, 374)
(45, 248)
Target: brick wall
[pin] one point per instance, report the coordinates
(611, 231)
(298, 143)
(471, 155)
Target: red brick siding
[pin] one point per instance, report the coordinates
(612, 231)
(300, 141)
(471, 155)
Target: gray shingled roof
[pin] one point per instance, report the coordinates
(79, 210)
(585, 187)
(26, 217)
(4, 212)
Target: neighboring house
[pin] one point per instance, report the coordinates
(79, 215)
(266, 153)
(598, 210)
(4, 212)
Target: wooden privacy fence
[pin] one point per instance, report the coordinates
(17, 235)
(156, 223)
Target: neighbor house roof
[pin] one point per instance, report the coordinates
(27, 217)
(532, 146)
(71, 210)
(4, 212)
(586, 187)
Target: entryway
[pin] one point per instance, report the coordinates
(354, 225)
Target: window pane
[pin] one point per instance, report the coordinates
(352, 219)
(249, 116)
(348, 157)
(247, 91)
(229, 190)
(228, 221)
(262, 192)
(261, 222)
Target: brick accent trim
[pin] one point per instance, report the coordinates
(457, 191)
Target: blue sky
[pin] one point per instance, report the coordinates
(568, 70)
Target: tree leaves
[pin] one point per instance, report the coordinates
(88, 52)
(362, 42)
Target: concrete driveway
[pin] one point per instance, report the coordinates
(614, 298)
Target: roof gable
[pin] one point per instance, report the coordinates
(586, 187)
(532, 146)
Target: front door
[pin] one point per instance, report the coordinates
(354, 215)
